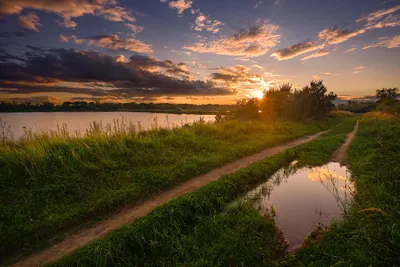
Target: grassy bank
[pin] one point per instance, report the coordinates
(370, 235)
(55, 182)
(192, 230)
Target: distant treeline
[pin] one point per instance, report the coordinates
(388, 101)
(357, 107)
(133, 106)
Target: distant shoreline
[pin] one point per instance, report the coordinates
(110, 107)
(148, 111)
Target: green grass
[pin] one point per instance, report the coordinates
(196, 229)
(240, 236)
(51, 183)
(368, 236)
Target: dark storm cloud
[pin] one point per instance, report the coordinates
(61, 70)
(4, 57)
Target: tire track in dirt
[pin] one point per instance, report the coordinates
(340, 155)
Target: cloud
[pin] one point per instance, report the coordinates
(358, 70)
(387, 42)
(241, 79)
(351, 50)
(271, 74)
(319, 76)
(253, 42)
(257, 66)
(180, 69)
(374, 16)
(203, 22)
(134, 28)
(335, 35)
(71, 38)
(196, 64)
(96, 74)
(67, 23)
(121, 59)
(179, 5)
(113, 42)
(242, 59)
(116, 14)
(69, 9)
(238, 73)
(63, 38)
(258, 4)
(30, 22)
(319, 53)
(35, 99)
(110, 42)
(296, 50)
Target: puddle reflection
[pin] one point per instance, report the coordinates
(301, 199)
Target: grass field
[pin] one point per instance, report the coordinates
(199, 230)
(55, 182)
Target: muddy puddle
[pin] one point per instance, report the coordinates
(302, 198)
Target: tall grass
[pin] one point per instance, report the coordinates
(53, 182)
(194, 230)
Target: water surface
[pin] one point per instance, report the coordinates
(301, 199)
(78, 122)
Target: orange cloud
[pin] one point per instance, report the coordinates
(30, 22)
(335, 35)
(114, 42)
(385, 42)
(351, 50)
(68, 9)
(134, 28)
(296, 50)
(179, 5)
(71, 38)
(320, 53)
(203, 22)
(253, 42)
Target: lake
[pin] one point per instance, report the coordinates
(79, 122)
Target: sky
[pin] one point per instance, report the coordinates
(194, 51)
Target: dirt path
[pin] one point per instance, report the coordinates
(129, 215)
(341, 154)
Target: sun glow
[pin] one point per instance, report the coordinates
(257, 93)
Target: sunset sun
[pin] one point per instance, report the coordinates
(258, 94)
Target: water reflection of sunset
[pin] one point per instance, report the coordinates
(318, 174)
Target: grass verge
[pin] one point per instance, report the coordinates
(184, 230)
(370, 234)
(55, 182)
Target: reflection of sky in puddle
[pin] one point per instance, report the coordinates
(302, 198)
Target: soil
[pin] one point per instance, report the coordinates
(340, 155)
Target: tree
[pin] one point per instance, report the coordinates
(276, 102)
(247, 109)
(312, 102)
(387, 93)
